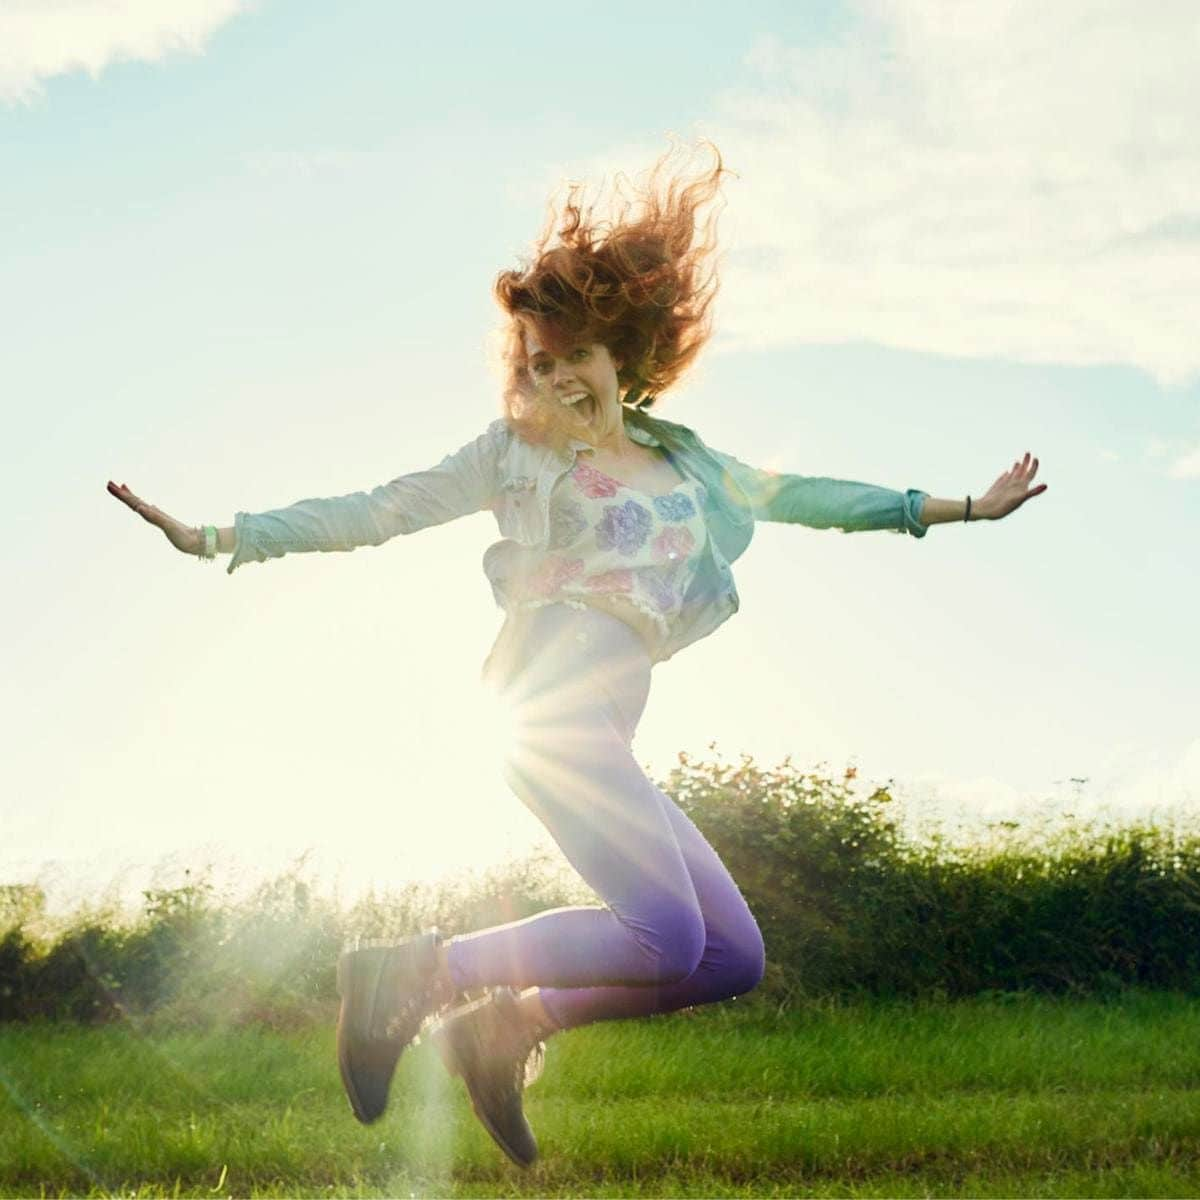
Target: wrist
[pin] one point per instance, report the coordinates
(205, 542)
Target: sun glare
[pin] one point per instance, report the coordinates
(494, 722)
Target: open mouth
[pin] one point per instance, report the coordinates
(583, 405)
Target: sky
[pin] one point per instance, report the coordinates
(248, 251)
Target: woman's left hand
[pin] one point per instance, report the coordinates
(1010, 491)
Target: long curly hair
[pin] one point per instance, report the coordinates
(640, 280)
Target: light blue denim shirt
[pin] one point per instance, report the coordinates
(514, 478)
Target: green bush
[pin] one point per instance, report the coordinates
(189, 958)
(846, 903)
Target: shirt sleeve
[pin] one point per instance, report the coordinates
(826, 503)
(463, 482)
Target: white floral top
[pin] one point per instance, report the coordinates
(609, 539)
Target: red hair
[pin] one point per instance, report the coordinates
(641, 282)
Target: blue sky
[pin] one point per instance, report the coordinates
(248, 251)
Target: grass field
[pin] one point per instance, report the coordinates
(1000, 1097)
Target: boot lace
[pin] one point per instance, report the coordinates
(407, 1015)
(534, 1064)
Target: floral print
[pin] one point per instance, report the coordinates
(625, 527)
(620, 579)
(674, 506)
(659, 585)
(554, 573)
(639, 547)
(594, 483)
(675, 542)
(567, 522)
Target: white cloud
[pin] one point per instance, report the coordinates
(1010, 179)
(1179, 458)
(43, 38)
(981, 809)
(1186, 466)
(1151, 783)
(1131, 784)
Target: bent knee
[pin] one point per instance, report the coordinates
(675, 953)
(745, 965)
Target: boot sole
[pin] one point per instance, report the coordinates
(345, 986)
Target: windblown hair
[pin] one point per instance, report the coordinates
(640, 280)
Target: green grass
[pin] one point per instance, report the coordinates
(1026, 1097)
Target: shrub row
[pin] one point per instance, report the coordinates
(846, 903)
(849, 905)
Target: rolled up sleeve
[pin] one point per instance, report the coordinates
(463, 482)
(822, 503)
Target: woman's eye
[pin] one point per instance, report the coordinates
(582, 352)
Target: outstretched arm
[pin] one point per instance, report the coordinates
(850, 506)
(462, 483)
(823, 503)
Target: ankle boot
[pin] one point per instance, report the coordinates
(497, 1052)
(386, 991)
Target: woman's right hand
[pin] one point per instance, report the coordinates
(186, 538)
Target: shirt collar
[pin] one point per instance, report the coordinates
(642, 436)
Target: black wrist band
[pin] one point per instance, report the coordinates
(968, 516)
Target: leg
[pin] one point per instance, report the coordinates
(575, 703)
(575, 706)
(732, 962)
(677, 931)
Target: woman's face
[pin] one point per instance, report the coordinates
(582, 381)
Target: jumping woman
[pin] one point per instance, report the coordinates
(618, 531)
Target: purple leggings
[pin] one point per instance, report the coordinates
(675, 930)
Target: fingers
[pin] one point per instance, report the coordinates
(121, 492)
(139, 506)
(1013, 486)
(1026, 467)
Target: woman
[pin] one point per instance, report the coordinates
(619, 529)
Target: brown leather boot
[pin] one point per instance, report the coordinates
(496, 1052)
(386, 991)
